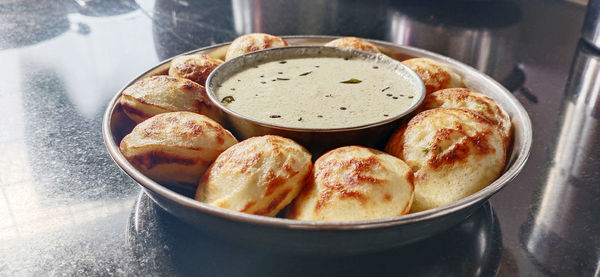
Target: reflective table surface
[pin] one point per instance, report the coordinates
(163, 244)
(66, 209)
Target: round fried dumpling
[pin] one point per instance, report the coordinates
(435, 75)
(176, 147)
(160, 94)
(453, 152)
(194, 67)
(260, 175)
(472, 100)
(354, 43)
(355, 183)
(253, 42)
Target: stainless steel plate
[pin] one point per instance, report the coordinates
(326, 237)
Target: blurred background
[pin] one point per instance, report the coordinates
(66, 209)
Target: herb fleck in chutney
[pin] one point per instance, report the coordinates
(351, 81)
(227, 99)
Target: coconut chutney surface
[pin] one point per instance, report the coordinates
(318, 92)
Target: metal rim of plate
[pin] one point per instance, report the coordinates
(467, 72)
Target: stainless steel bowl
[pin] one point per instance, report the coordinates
(316, 140)
(325, 237)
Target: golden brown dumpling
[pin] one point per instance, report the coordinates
(253, 42)
(160, 94)
(354, 43)
(176, 147)
(472, 100)
(453, 152)
(260, 175)
(435, 75)
(195, 67)
(355, 183)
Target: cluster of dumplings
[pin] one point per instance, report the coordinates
(455, 145)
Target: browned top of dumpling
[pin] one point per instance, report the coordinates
(355, 183)
(175, 147)
(454, 153)
(472, 100)
(182, 129)
(259, 175)
(354, 43)
(435, 75)
(253, 42)
(158, 94)
(194, 67)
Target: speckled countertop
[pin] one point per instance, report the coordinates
(66, 209)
